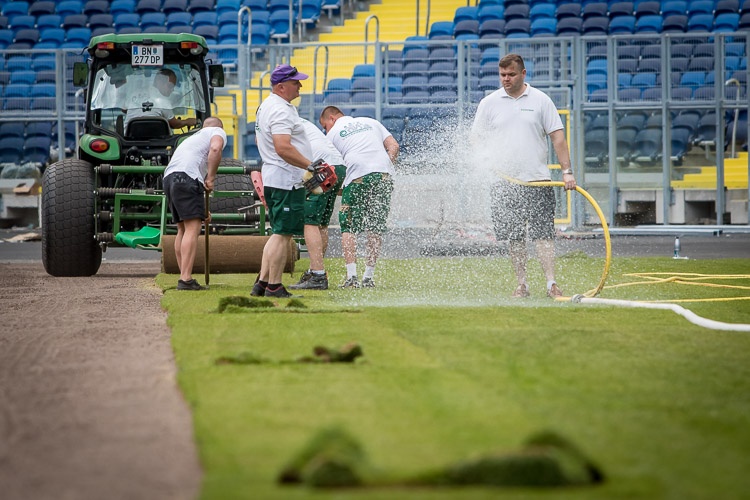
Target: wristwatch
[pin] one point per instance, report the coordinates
(567, 171)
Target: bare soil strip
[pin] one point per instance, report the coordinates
(89, 405)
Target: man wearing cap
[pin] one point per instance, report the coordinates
(286, 152)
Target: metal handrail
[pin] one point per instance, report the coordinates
(377, 31)
(315, 67)
(736, 113)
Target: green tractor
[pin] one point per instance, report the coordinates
(144, 94)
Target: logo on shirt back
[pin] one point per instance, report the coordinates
(354, 128)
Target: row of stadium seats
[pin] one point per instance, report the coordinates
(639, 134)
(24, 25)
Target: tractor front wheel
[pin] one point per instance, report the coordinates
(69, 247)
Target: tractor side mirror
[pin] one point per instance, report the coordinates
(216, 75)
(80, 74)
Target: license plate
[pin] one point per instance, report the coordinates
(148, 55)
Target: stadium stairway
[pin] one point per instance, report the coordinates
(397, 21)
(735, 175)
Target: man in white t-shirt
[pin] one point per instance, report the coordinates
(286, 153)
(318, 211)
(369, 152)
(509, 137)
(190, 173)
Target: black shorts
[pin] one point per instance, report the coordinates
(185, 197)
(520, 211)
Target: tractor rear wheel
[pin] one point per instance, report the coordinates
(69, 247)
(232, 182)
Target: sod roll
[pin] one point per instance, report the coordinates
(229, 254)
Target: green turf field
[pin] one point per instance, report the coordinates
(453, 368)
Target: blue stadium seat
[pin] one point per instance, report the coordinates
(152, 19)
(195, 6)
(310, 12)
(279, 22)
(260, 35)
(466, 26)
(647, 8)
(467, 13)
(256, 5)
(49, 21)
(13, 9)
(75, 21)
(92, 7)
(726, 22)
(55, 35)
(595, 26)
(21, 22)
(11, 149)
(27, 77)
(595, 9)
(179, 18)
(544, 26)
(622, 24)
(674, 7)
(68, 7)
(569, 25)
(516, 11)
(37, 149)
(727, 6)
(542, 10)
(171, 6)
(676, 23)
(145, 6)
(79, 35)
(41, 8)
(28, 35)
(127, 20)
(490, 12)
(649, 24)
(12, 129)
(618, 9)
(491, 27)
(568, 10)
(701, 7)
(204, 17)
(223, 6)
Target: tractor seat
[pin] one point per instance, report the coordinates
(148, 127)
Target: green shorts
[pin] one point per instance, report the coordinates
(319, 207)
(365, 204)
(286, 210)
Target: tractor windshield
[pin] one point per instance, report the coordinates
(122, 92)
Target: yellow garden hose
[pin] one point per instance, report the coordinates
(605, 229)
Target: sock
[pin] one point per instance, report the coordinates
(272, 287)
(550, 283)
(369, 272)
(263, 284)
(318, 273)
(351, 270)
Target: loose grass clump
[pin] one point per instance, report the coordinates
(238, 303)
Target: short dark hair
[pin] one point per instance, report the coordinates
(331, 111)
(509, 59)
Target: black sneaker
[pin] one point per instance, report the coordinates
(189, 285)
(368, 283)
(313, 282)
(280, 292)
(352, 282)
(258, 290)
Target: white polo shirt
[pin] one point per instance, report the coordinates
(278, 116)
(360, 141)
(509, 135)
(191, 156)
(321, 145)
